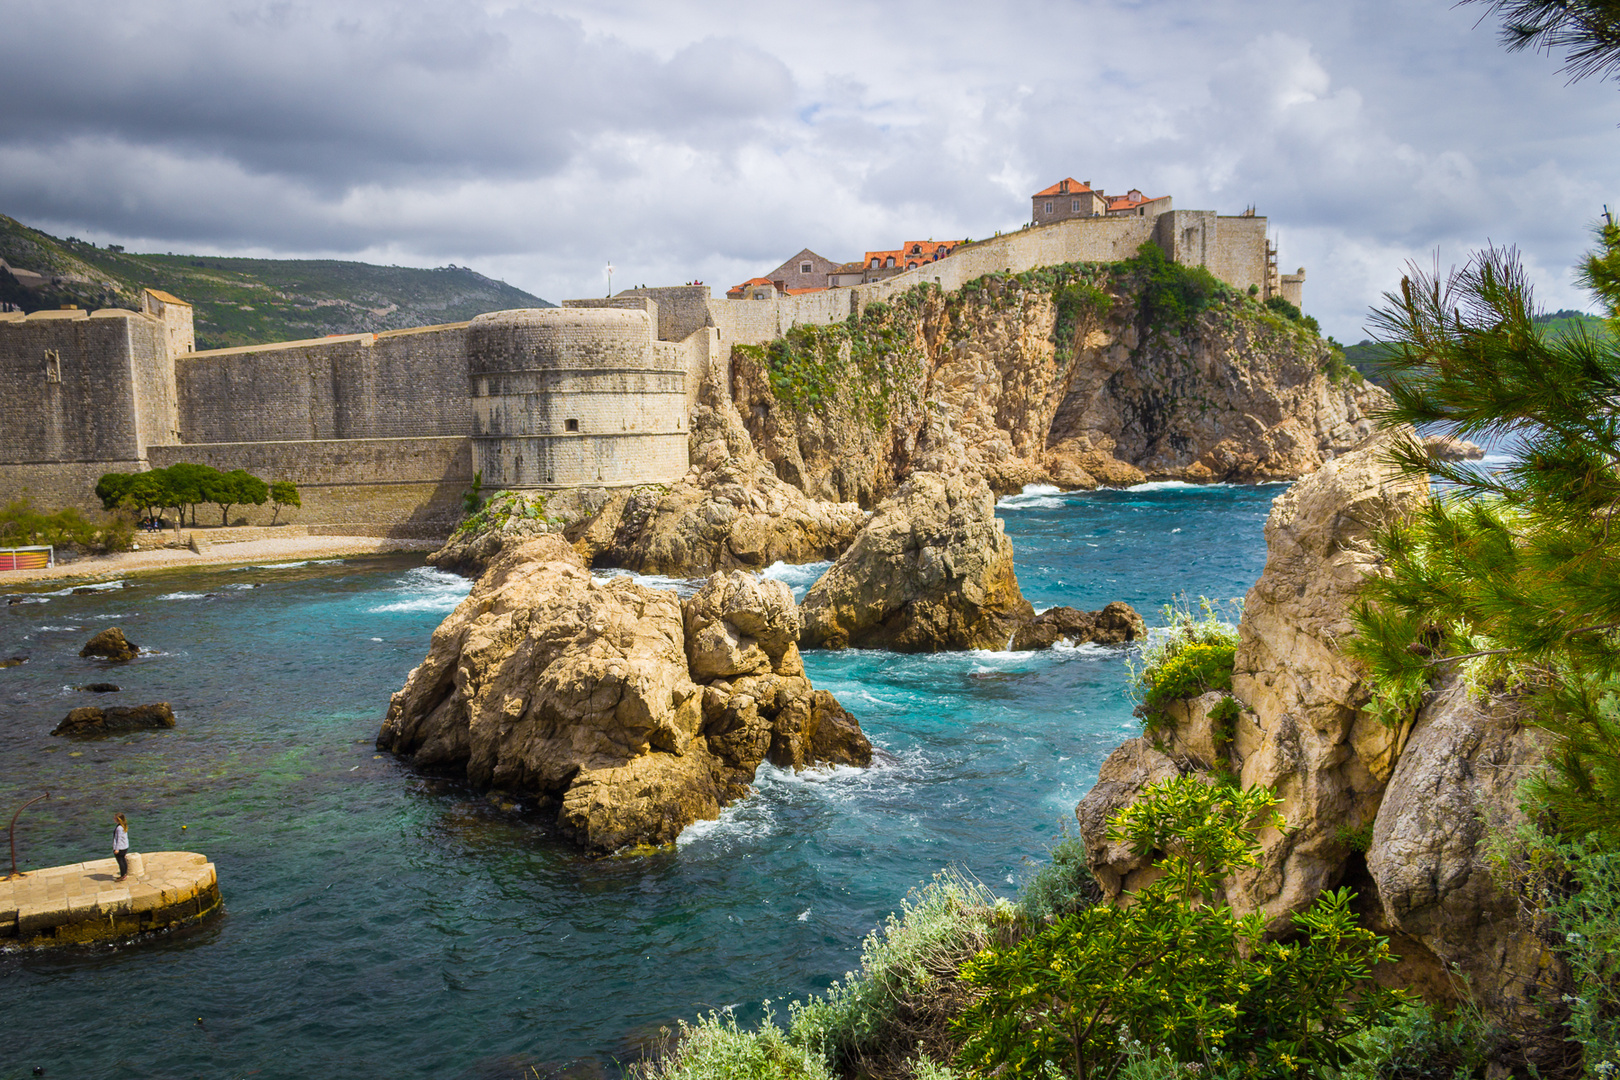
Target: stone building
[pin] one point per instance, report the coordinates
(1070, 198)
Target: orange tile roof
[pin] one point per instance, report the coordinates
(811, 288)
(166, 298)
(1068, 186)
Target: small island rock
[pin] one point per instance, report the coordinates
(931, 571)
(632, 714)
(1115, 624)
(110, 644)
(91, 722)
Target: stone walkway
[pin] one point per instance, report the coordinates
(83, 902)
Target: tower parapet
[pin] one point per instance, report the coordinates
(573, 396)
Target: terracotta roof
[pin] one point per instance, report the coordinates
(166, 298)
(848, 268)
(1069, 186)
(811, 288)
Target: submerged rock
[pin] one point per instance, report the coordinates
(1115, 624)
(631, 713)
(99, 688)
(110, 644)
(91, 722)
(932, 571)
(13, 661)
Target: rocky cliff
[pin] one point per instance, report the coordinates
(1079, 375)
(1419, 800)
(630, 712)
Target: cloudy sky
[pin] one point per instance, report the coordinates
(537, 141)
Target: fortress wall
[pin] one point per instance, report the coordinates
(682, 309)
(395, 487)
(157, 407)
(1239, 254)
(398, 384)
(583, 460)
(68, 386)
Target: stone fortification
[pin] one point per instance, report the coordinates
(570, 397)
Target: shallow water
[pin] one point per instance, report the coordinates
(385, 924)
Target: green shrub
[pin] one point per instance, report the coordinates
(1195, 670)
(1172, 294)
(22, 526)
(1223, 720)
(715, 1048)
(1193, 654)
(1588, 918)
(1062, 886)
(1420, 1043)
(117, 534)
(1170, 975)
(907, 968)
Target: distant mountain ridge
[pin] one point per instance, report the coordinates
(248, 301)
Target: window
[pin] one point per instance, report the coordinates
(806, 268)
(874, 262)
(571, 424)
(911, 266)
(1048, 208)
(889, 261)
(1074, 207)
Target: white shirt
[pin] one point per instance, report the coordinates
(120, 839)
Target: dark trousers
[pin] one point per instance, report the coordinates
(123, 863)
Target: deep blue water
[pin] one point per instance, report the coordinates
(381, 924)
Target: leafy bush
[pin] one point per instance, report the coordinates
(1588, 918)
(715, 1048)
(1169, 975)
(1172, 294)
(1421, 1043)
(1223, 720)
(284, 493)
(22, 526)
(905, 993)
(1062, 886)
(1193, 654)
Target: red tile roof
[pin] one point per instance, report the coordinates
(1069, 186)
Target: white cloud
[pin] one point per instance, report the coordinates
(687, 140)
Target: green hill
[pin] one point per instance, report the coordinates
(250, 301)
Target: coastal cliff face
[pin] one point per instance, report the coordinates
(631, 712)
(1079, 376)
(1419, 800)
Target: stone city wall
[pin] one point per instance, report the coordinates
(68, 384)
(398, 384)
(407, 487)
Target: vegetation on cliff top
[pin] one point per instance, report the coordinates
(251, 301)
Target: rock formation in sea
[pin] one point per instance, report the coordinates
(110, 644)
(1418, 800)
(632, 713)
(1074, 375)
(1115, 624)
(91, 722)
(931, 571)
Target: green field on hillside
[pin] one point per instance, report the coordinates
(251, 301)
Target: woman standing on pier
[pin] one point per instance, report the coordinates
(121, 845)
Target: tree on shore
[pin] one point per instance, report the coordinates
(283, 493)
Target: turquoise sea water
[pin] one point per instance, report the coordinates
(381, 924)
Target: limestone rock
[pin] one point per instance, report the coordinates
(996, 382)
(1115, 624)
(93, 723)
(1304, 733)
(729, 512)
(1450, 448)
(507, 519)
(1456, 783)
(931, 571)
(550, 683)
(110, 644)
(1130, 768)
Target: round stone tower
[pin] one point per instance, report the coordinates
(574, 397)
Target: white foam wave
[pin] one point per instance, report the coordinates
(243, 585)
(683, 587)
(1172, 485)
(427, 589)
(29, 600)
(183, 596)
(1033, 497)
(57, 629)
(798, 577)
(100, 586)
(291, 565)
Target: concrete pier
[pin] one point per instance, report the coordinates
(84, 903)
